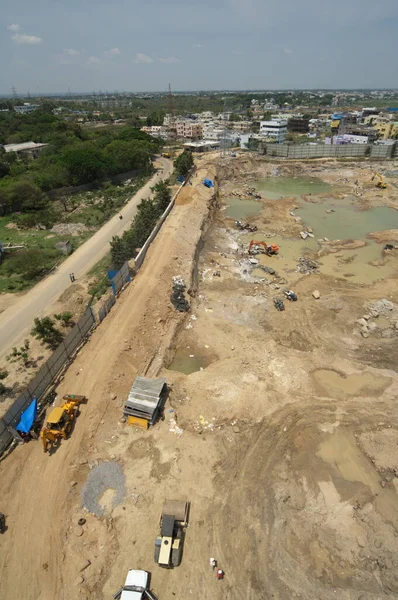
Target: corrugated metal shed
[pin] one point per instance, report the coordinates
(145, 398)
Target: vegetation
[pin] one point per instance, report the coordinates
(45, 331)
(20, 354)
(125, 247)
(73, 157)
(183, 163)
(66, 318)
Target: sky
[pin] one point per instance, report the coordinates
(142, 45)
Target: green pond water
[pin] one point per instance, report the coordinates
(275, 188)
(183, 362)
(348, 222)
(242, 209)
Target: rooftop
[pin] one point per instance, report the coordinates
(23, 146)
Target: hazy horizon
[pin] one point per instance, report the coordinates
(220, 45)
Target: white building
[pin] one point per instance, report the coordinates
(274, 130)
(26, 108)
(27, 149)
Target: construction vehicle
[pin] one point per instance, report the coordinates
(166, 154)
(279, 305)
(290, 295)
(169, 544)
(380, 184)
(255, 248)
(135, 587)
(60, 421)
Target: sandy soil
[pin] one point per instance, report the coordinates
(285, 443)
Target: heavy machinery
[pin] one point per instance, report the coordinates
(60, 421)
(380, 184)
(169, 544)
(255, 248)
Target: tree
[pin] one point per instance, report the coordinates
(65, 318)
(85, 163)
(46, 332)
(183, 163)
(119, 252)
(162, 195)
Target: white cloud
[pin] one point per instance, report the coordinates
(112, 52)
(170, 60)
(287, 51)
(72, 52)
(13, 27)
(93, 60)
(22, 38)
(142, 59)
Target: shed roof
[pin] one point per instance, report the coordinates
(144, 397)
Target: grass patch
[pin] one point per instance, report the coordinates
(101, 283)
(22, 269)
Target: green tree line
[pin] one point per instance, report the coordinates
(73, 157)
(126, 246)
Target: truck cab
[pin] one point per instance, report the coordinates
(135, 586)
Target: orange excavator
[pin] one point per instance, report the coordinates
(255, 248)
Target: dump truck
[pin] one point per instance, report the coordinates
(136, 587)
(60, 421)
(173, 523)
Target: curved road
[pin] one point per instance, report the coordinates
(16, 321)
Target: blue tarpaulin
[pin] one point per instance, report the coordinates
(208, 183)
(181, 179)
(28, 417)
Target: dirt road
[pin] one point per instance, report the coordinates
(17, 319)
(41, 493)
(280, 428)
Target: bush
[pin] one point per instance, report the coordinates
(65, 318)
(30, 264)
(45, 331)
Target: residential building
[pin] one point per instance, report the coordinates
(274, 131)
(189, 129)
(387, 130)
(202, 146)
(241, 126)
(26, 108)
(25, 150)
(346, 138)
(299, 125)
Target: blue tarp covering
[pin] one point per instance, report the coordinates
(181, 179)
(28, 417)
(111, 274)
(208, 183)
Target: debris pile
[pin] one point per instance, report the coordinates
(279, 305)
(177, 297)
(307, 266)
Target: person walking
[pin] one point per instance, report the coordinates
(71, 277)
(220, 574)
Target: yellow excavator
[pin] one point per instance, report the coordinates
(60, 421)
(380, 184)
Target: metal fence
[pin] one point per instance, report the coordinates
(330, 151)
(37, 387)
(47, 374)
(121, 278)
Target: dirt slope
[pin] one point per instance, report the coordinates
(37, 495)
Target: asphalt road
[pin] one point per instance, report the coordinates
(16, 321)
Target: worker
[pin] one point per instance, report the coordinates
(220, 574)
(213, 563)
(71, 277)
(2, 523)
(120, 217)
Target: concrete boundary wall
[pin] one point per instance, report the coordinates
(330, 151)
(48, 373)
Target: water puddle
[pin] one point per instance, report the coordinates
(341, 451)
(362, 265)
(242, 209)
(348, 221)
(275, 188)
(336, 385)
(187, 361)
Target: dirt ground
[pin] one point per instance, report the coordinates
(284, 439)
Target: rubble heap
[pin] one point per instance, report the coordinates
(177, 297)
(307, 266)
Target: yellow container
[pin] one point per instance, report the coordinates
(137, 422)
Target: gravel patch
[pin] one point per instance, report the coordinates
(105, 476)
